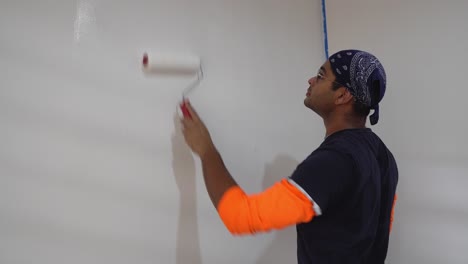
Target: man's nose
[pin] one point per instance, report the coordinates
(312, 81)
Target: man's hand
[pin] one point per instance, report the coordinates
(195, 133)
(216, 176)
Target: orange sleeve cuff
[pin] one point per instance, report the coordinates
(393, 211)
(277, 207)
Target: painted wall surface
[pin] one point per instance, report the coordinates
(422, 45)
(93, 168)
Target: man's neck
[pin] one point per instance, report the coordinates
(333, 125)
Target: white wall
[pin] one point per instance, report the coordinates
(92, 167)
(422, 45)
(93, 170)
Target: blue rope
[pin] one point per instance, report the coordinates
(325, 33)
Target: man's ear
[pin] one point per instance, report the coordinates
(343, 96)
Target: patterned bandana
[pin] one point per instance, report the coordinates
(364, 76)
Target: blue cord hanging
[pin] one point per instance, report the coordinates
(325, 33)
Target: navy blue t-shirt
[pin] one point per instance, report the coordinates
(352, 179)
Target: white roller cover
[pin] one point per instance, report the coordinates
(170, 63)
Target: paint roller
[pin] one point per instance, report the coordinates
(174, 64)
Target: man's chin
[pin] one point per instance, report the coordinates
(310, 105)
(307, 103)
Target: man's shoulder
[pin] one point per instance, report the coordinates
(328, 156)
(354, 140)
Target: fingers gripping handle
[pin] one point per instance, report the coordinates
(185, 111)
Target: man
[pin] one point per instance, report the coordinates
(341, 197)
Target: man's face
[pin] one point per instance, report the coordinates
(320, 95)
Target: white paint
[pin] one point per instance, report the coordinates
(92, 166)
(85, 18)
(422, 117)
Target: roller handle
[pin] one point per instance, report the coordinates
(185, 111)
